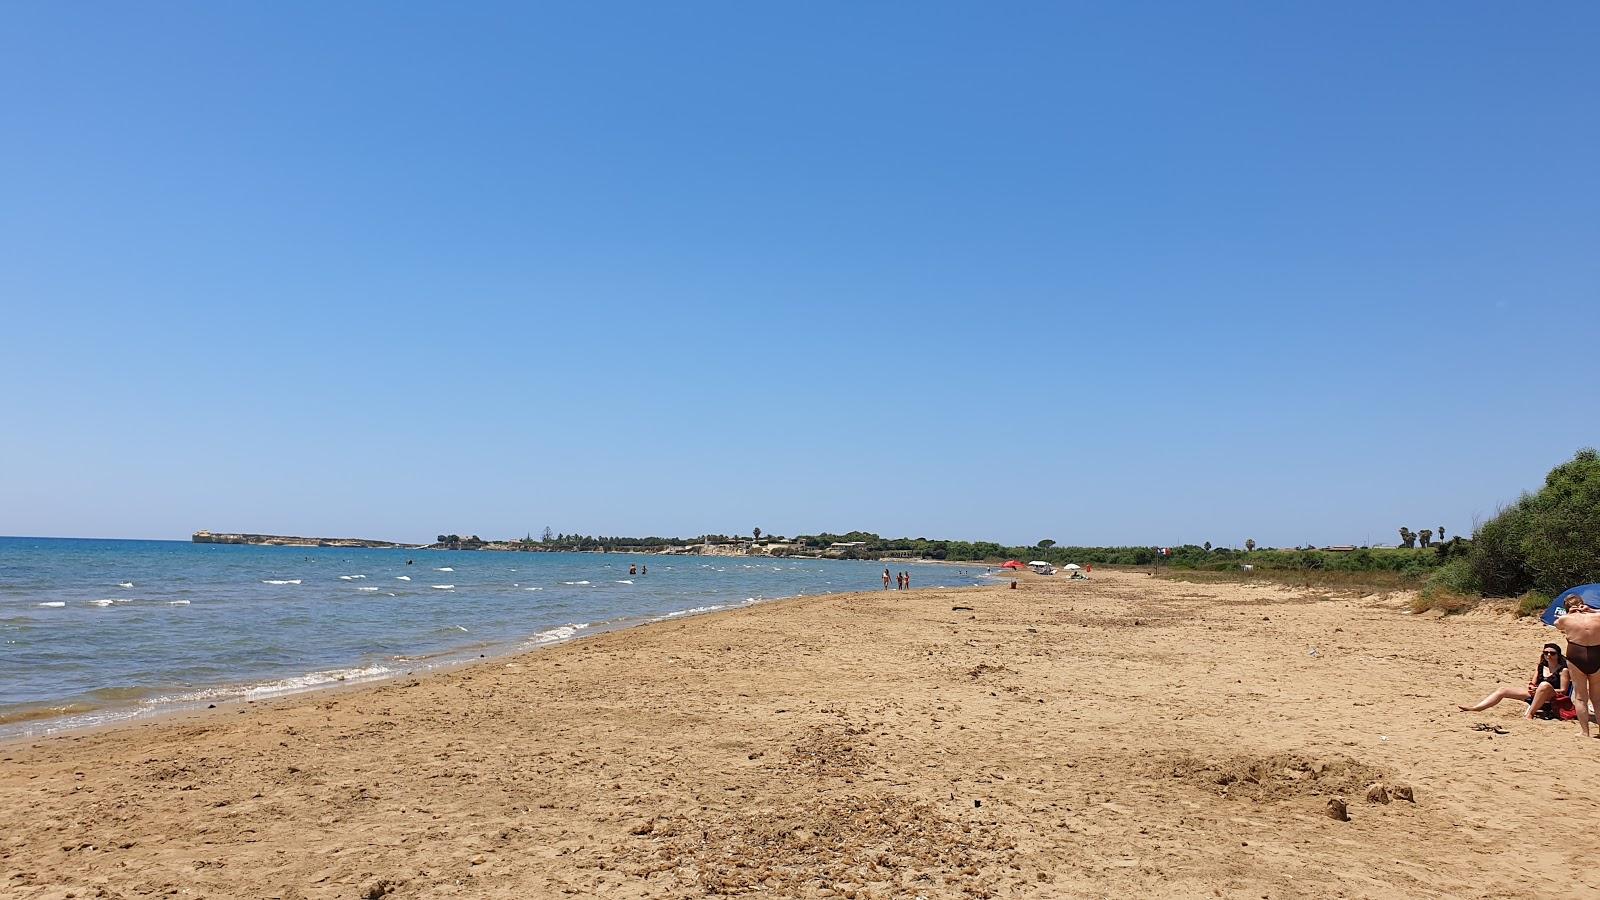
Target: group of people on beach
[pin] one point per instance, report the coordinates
(1564, 684)
(902, 580)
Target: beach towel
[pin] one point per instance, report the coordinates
(1560, 708)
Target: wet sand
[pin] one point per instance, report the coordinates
(1120, 736)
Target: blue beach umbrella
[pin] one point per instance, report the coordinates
(1558, 607)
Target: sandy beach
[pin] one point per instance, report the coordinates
(1113, 737)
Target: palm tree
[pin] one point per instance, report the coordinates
(758, 534)
(1249, 544)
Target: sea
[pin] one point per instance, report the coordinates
(99, 631)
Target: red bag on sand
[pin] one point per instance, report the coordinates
(1563, 708)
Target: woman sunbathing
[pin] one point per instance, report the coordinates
(1550, 683)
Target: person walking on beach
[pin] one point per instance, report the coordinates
(886, 578)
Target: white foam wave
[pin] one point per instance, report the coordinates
(689, 612)
(445, 569)
(574, 582)
(555, 635)
(533, 589)
(101, 602)
(177, 603)
(53, 603)
(366, 588)
(444, 587)
(293, 684)
(403, 577)
(625, 581)
(124, 584)
(284, 581)
(350, 577)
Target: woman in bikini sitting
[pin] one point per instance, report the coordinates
(1581, 625)
(1550, 683)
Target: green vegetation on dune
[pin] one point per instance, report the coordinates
(1546, 541)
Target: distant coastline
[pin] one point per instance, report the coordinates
(286, 540)
(456, 542)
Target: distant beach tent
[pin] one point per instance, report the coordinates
(1011, 564)
(1072, 566)
(1558, 607)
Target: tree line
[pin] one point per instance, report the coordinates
(1546, 541)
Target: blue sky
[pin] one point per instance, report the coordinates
(1108, 274)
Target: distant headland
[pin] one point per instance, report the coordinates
(285, 540)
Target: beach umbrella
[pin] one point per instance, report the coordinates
(1072, 566)
(1558, 607)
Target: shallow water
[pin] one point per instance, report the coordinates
(95, 630)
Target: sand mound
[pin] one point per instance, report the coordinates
(831, 750)
(1280, 776)
(982, 669)
(860, 846)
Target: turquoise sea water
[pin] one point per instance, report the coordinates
(96, 630)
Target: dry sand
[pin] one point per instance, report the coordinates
(1115, 737)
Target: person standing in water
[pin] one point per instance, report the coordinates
(886, 578)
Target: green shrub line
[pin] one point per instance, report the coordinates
(1546, 541)
(1538, 546)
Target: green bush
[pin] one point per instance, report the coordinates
(1547, 541)
(1532, 604)
(1499, 567)
(1454, 577)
